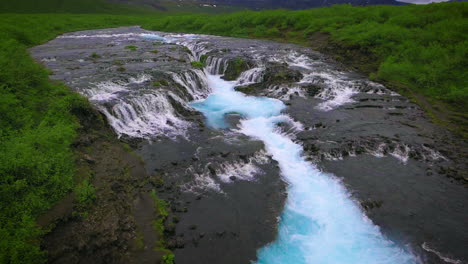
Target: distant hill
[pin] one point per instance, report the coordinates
(256, 4)
(172, 6)
(114, 6)
(67, 6)
(303, 4)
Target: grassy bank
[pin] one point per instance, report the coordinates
(37, 127)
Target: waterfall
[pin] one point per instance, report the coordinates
(215, 65)
(137, 109)
(194, 81)
(147, 116)
(254, 75)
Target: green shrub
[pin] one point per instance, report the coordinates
(168, 259)
(203, 58)
(85, 193)
(95, 55)
(161, 83)
(131, 47)
(197, 64)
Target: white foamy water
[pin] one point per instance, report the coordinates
(321, 222)
(105, 91)
(335, 91)
(285, 92)
(440, 255)
(242, 170)
(194, 81)
(148, 36)
(146, 116)
(215, 65)
(137, 109)
(251, 76)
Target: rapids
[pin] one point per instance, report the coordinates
(320, 223)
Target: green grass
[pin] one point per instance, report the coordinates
(131, 47)
(160, 83)
(168, 258)
(162, 212)
(197, 64)
(95, 56)
(38, 124)
(85, 193)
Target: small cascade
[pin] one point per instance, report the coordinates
(335, 91)
(137, 109)
(299, 60)
(105, 91)
(197, 49)
(147, 116)
(215, 65)
(285, 92)
(254, 75)
(194, 81)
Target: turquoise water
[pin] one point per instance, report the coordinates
(225, 100)
(321, 224)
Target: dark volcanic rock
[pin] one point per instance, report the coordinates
(275, 74)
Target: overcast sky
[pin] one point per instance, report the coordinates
(422, 2)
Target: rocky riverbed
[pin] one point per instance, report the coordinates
(224, 190)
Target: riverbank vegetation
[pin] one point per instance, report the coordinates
(421, 50)
(38, 124)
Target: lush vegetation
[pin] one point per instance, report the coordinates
(36, 165)
(37, 126)
(197, 64)
(162, 212)
(422, 48)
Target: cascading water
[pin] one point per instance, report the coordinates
(146, 93)
(321, 223)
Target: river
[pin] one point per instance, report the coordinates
(272, 152)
